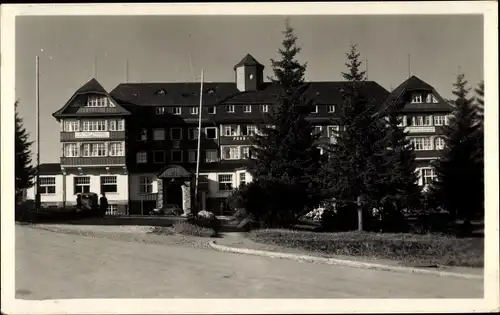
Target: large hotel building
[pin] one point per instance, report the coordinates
(138, 143)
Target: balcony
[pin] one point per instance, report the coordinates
(92, 135)
(420, 129)
(93, 161)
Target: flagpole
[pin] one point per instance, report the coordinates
(37, 129)
(199, 143)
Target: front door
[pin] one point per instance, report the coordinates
(172, 193)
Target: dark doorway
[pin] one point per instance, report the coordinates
(172, 193)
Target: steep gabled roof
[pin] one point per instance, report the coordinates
(248, 60)
(416, 84)
(91, 87)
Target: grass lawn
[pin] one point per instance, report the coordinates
(409, 249)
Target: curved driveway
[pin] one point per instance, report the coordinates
(57, 266)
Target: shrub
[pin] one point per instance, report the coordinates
(208, 220)
(185, 228)
(409, 248)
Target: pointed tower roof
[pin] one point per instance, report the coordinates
(248, 60)
(92, 86)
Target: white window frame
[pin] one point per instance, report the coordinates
(439, 120)
(155, 161)
(439, 143)
(234, 152)
(264, 108)
(212, 110)
(159, 134)
(243, 178)
(230, 109)
(71, 150)
(421, 143)
(417, 98)
(97, 149)
(192, 156)
(223, 181)
(145, 184)
(141, 157)
(331, 109)
(172, 134)
(94, 125)
(247, 108)
(194, 132)
(97, 101)
(71, 125)
(193, 110)
(46, 183)
(428, 120)
(116, 125)
(233, 131)
(317, 130)
(109, 180)
(428, 175)
(177, 110)
(116, 149)
(143, 135)
(81, 181)
(315, 111)
(245, 152)
(212, 128)
(216, 153)
(172, 156)
(248, 130)
(160, 110)
(335, 129)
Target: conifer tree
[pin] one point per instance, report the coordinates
(25, 172)
(285, 158)
(459, 185)
(353, 66)
(480, 101)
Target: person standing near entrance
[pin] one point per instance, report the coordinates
(103, 204)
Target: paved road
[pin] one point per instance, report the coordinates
(57, 266)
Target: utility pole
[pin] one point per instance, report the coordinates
(37, 141)
(196, 192)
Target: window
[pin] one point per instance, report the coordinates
(248, 130)
(230, 152)
(193, 110)
(71, 125)
(333, 130)
(225, 182)
(230, 131)
(116, 149)
(439, 143)
(192, 133)
(94, 125)
(116, 125)
(417, 98)
(439, 120)
(247, 108)
(97, 101)
(264, 108)
(97, 149)
(71, 150)
(82, 185)
(159, 157)
(230, 108)
(211, 156)
(428, 121)
(177, 110)
(421, 143)
(447, 119)
(112, 210)
(316, 130)
(47, 185)
(211, 132)
(192, 156)
(141, 157)
(314, 110)
(243, 178)
(331, 108)
(428, 175)
(430, 99)
(245, 152)
(176, 156)
(160, 110)
(143, 135)
(159, 134)
(109, 184)
(211, 110)
(86, 149)
(421, 121)
(175, 133)
(145, 185)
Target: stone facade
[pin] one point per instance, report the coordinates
(159, 200)
(186, 197)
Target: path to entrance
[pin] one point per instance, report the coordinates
(57, 266)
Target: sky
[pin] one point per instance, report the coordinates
(176, 48)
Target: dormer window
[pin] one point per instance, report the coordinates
(247, 108)
(331, 108)
(161, 92)
(211, 110)
(314, 110)
(264, 108)
(177, 110)
(97, 101)
(417, 98)
(160, 110)
(230, 108)
(211, 91)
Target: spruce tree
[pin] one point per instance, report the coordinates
(25, 172)
(480, 101)
(356, 160)
(459, 185)
(285, 155)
